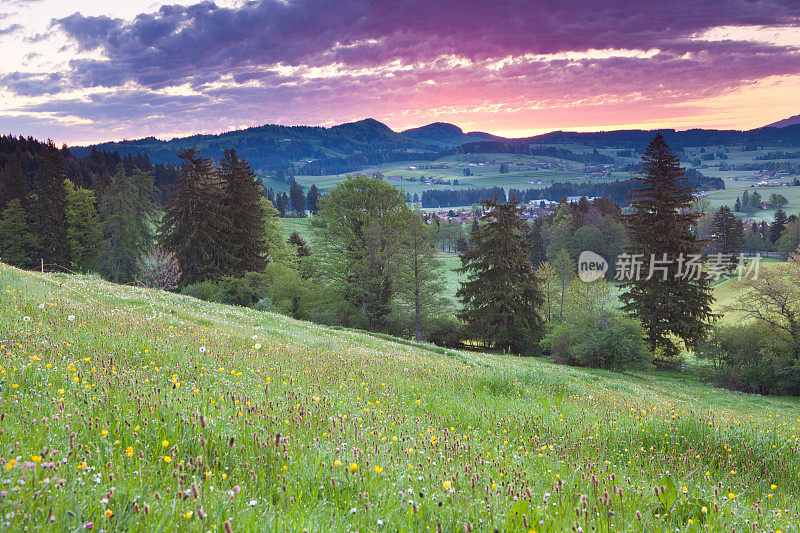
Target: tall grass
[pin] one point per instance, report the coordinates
(126, 409)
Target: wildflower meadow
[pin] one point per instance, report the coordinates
(125, 409)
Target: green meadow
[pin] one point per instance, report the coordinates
(125, 409)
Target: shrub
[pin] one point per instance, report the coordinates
(617, 342)
(751, 358)
(444, 331)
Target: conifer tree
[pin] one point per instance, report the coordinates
(502, 297)
(46, 208)
(17, 242)
(312, 199)
(299, 243)
(247, 248)
(195, 227)
(280, 204)
(670, 303)
(297, 199)
(125, 210)
(13, 185)
(728, 231)
(777, 226)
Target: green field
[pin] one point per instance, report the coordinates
(487, 174)
(125, 409)
(300, 225)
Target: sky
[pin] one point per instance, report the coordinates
(83, 71)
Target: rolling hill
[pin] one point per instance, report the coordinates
(791, 121)
(130, 409)
(365, 143)
(447, 135)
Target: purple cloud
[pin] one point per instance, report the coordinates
(325, 60)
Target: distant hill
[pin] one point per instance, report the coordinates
(284, 151)
(446, 135)
(791, 121)
(786, 136)
(274, 147)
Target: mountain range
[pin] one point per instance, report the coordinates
(358, 145)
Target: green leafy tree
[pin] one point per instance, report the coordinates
(778, 200)
(419, 281)
(591, 334)
(548, 279)
(84, 233)
(561, 231)
(790, 239)
(278, 251)
(564, 267)
(502, 297)
(668, 304)
(360, 233)
(773, 300)
(18, 242)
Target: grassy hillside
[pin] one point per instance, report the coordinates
(135, 410)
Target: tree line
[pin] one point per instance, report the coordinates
(617, 190)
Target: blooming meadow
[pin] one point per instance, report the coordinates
(135, 410)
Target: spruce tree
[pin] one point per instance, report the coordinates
(299, 243)
(502, 297)
(13, 185)
(669, 304)
(17, 242)
(728, 231)
(280, 204)
(297, 199)
(195, 227)
(312, 199)
(247, 248)
(124, 210)
(46, 208)
(777, 226)
(738, 205)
